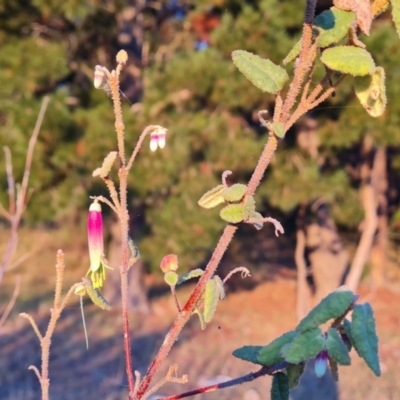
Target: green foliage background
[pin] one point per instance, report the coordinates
(207, 105)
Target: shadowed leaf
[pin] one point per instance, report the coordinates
(304, 346)
(271, 354)
(332, 306)
(364, 336)
(336, 348)
(280, 387)
(248, 353)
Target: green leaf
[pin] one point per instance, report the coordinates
(195, 273)
(248, 353)
(396, 14)
(333, 25)
(304, 346)
(201, 318)
(348, 60)
(249, 207)
(233, 213)
(294, 373)
(263, 74)
(211, 298)
(371, 92)
(280, 387)
(234, 192)
(364, 336)
(271, 354)
(171, 278)
(212, 198)
(336, 348)
(278, 130)
(220, 286)
(293, 54)
(332, 306)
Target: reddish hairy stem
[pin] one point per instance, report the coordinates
(262, 164)
(212, 265)
(229, 231)
(124, 219)
(187, 310)
(233, 382)
(303, 66)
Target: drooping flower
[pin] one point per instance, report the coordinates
(158, 138)
(321, 363)
(99, 76)
(98, 262)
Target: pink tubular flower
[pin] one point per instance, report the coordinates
(98, 263)
(321, 363)
(158, 138)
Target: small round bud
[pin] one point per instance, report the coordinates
(169, 263)
(122, 57)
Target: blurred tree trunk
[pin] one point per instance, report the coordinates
(130, 39)
(326, 254)
(138, 300)
(303, 290)
(368, 181)
(379, 247)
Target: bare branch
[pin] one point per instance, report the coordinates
(244, 272)
(10, 180)
(11, 303)
(34, 326)
(31, 147)
(36, 371)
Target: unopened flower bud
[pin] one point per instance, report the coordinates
(169, 263)
(99, 76)
(122, 57)
(321, 363)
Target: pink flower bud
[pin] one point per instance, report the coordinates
(169, 263)
(321, 363)
(158, 138)
(99, 76)
(96, 245)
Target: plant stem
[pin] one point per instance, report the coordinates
(124, 220)
(113, 80)
(187, 310)
(233, 382)
(212, 265)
